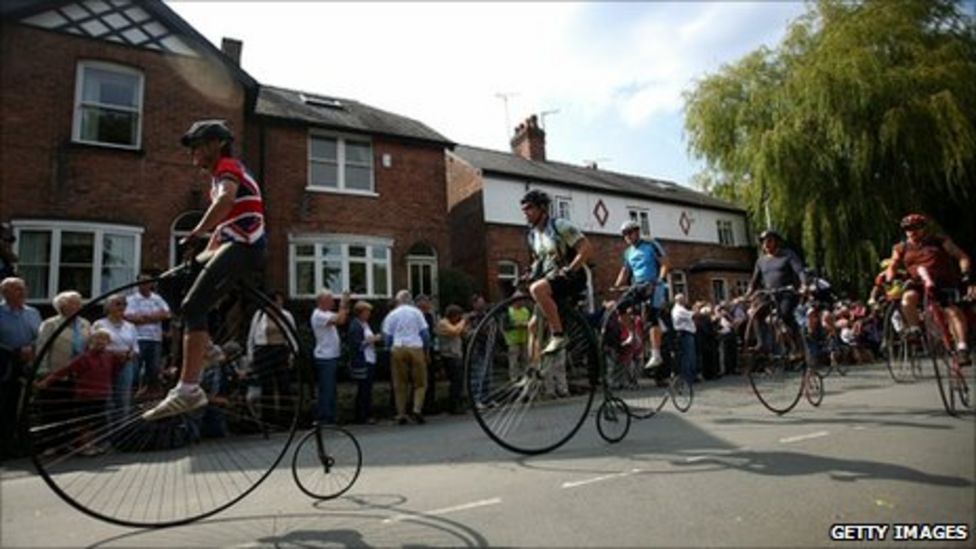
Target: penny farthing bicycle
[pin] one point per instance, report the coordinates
(102, 458)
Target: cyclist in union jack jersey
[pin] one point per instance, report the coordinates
(235, 221)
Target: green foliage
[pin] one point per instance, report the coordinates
(456, 288)
(864, 112)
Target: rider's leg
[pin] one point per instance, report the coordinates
(958, 328)
(909, 308)
(542, 293)
(655, 338)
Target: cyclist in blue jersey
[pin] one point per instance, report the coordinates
(645, 262)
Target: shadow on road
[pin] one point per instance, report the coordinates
(368, 523)
(777, 463)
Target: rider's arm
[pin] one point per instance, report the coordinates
(623, 276)
(756, 277)
(219, 208)
(583, 252)
(893, 264)
(797, 267)
(664, 268)
(965, 265)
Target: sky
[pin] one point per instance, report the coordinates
(612, 72)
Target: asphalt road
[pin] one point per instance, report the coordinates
(727, 473)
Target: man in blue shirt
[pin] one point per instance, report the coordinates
(19, 325)
(645, 262)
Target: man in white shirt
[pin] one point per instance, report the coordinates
(684, 326)
(406, 334)
(327, 351)
(147, 310)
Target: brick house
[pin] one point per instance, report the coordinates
(706, 239)
(94, 97)
(356, 197)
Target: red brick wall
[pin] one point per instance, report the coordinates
(411, 206)
(466, 214)
(44, 175)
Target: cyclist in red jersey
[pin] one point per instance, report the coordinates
(941, 267)
(235, 221)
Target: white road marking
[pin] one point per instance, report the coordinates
(859, 427)
(444, 511)
(807, 436)
(575, 483)
(715, 453)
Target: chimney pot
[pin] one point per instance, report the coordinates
(529, 140)
(232, 49)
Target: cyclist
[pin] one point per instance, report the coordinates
(929, 260)
(559, 250)
(645, 261)
(236, 249)
(779, 268)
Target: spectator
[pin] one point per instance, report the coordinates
(727, 348)
(684, 325)
(125, 344)
(71, 342)
(19, 326)
(8, 259)
(94, 372)
(517, 339)
(406, 335)
(328, 348)
(269, 351)
(706, 339)
(147, 311)
(362, 363)
(449, 330)
(430, 353)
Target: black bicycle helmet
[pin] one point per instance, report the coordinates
(770, 233)
(203, 130)
(536, 198)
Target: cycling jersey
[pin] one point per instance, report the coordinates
(780, 270)
(553, 246)
(245, 222)
(930, 253)
(643, 260)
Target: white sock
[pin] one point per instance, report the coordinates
(961, 346)
(186, 388)
(655, 352)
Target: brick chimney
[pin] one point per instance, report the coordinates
(232, 49)
(529, 141)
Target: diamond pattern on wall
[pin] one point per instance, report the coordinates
(120, 21)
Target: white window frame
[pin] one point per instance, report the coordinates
(508, 277)
(643, 218)
(319, 242)
(677, 278)
(340, 163)
(725, 290)
(562, 208)
(175, 234)
(99, 230)
(423, 261)
(726, 236)
(76, 132)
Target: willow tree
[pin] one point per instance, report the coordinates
(865, 111)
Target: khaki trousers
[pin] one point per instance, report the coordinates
(408, 363)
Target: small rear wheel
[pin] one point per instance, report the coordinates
(327, 462)
(613, 420)
(682, 393)
(814, 389)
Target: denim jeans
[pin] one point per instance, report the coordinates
(364, 395)
(147, 365)
(122, 398)
(326, 370)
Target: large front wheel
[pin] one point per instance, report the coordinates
(776, 362)
(91, 445)
(526, 401)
